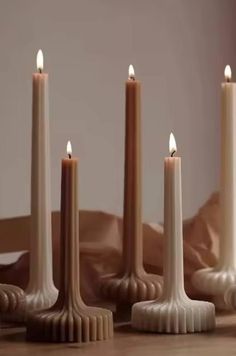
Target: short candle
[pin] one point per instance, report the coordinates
(69, 319)
(174, 312)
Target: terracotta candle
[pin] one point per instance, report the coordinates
(174, 312)
(133, 283)
(70, 320)
(41, 292)
(216, 280)
(132, 225)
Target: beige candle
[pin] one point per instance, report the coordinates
(227, 256)
(71, 319)
(41, 292)
(174, 312)
(215, 281)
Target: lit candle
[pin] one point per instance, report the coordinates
(132, 224)
(215, 281)
(132, 284)
(174, 312)
(72, 320)
(41, 292)
(227, 257)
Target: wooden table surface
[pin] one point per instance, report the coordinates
(128, 342)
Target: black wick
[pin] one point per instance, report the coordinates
(172, 153)
(69, 155)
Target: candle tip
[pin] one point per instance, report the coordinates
(39, 60)
(228, 73)
(172, 145)
(69, 149)
(131, 72)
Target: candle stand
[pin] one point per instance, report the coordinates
(12, 303)
(70, 320)
(216, 282)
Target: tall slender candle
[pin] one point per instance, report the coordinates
(70, 320)
(132, 225)
(174, 312)
(132, 284)
(41, 292)
(215, 281)
(227, 257)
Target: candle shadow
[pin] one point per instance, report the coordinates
(125, 328)
(14, 336)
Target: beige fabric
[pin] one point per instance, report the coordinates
(101, 246)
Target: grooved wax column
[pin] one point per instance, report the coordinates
(215, 281)
(41, 292)
(174, 312)
(70, 320)
(132, 284)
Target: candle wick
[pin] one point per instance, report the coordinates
(69, 155)
(172, 153)
(132, 77)
(228, 80)
(40, 70)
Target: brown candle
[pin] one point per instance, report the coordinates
(132, 226)
(132, 284)
(70, 320)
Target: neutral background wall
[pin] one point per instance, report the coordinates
(179, 49)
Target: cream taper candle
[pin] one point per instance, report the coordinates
(215, 281)
(174, 312)
(41, 292)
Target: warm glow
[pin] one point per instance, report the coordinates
(228, 73)
(131, 72)
(172, 144)
(69, 148)
(39, 60)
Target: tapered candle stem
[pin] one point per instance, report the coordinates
(173, 255)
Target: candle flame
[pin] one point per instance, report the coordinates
(172, 144)
(39, 60)
(228, 73)
(69, 149)
(131, 72)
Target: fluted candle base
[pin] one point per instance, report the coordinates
(12, 303)
(215, 282)
(80, 324)
(230, 297)
(174, 316)
(40, 299)
(131, 288)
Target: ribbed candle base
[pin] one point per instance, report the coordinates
(215, 282)
(80, 324)
(12, 303)
(178, 316)
(131, 288)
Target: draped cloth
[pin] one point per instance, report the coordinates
(101, 248)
